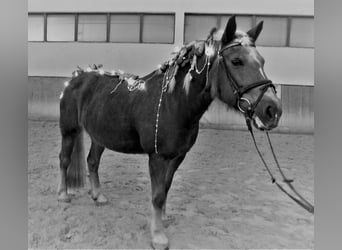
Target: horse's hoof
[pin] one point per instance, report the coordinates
(158, 246)
(64, 197)
(101, 200)
(160, 241)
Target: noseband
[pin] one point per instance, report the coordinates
(239, 90)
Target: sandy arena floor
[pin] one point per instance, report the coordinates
(221, 196)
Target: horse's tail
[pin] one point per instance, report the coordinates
(72, 134)
(76, 171)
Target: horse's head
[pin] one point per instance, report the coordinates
(239, 80)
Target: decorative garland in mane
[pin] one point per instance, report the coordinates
(171, 68)
(133, 81)
(188, 54)
(181, 57)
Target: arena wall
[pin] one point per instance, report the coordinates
(297, 102)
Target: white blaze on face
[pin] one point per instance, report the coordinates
(262, 72)
(255, 57)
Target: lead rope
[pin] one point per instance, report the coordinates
(301, 201)
(287, 181)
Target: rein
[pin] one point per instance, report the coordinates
(238, 92)
(300, 200)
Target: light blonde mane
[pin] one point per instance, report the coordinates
(240, 36)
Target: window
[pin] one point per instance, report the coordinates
(243, 23)
(125, 28)
(278, 31)
(92, 28)
(197, 27)
(35, 28)
(60, 28)
(302, 32)
(274, 31)
(158, 29)
(102, 27)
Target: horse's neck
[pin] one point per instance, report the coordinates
(197, 99)
(201, 102)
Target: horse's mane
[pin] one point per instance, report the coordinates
(180, 58)
(240, 36)
(189, 53)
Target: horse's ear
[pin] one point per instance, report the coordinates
(229, 32)
(254, 32)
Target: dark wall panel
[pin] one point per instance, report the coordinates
(297, 102)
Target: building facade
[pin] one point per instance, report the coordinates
(136, 36)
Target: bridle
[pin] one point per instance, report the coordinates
(239, 90)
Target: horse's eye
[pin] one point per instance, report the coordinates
(237, 62)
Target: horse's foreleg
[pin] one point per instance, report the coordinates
(93, 161)
(171, 170)
(158, 169)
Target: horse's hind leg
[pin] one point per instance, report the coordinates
(93, 161)
(68, 141)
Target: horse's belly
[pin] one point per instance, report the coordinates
(128, 147)
(120, 140)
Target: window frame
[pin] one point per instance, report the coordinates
(44, 26)
(289, 31)
(141, 24)
(254, 18)
(57, 14)
(218, 19)
(218, 16)
(108, 25)
(123, 14)
(173, 15)
(92, 14)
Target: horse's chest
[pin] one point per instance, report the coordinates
(177, 140)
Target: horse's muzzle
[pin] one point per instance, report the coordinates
(267, 114)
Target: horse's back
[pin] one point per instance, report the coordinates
(108, 111)
(125, 121)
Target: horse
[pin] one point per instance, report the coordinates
(159, 114)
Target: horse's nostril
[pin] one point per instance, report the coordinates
(270, 112)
